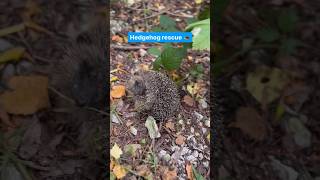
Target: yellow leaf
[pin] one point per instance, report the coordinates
(13, 54)
(266, 84)
(116, 151)
(114, 78)
(27, 95)
(119, 171)
(198, 1)
(12, 29)
(193, 88)
(118, 91)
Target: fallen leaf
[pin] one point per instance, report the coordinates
(193, 88)
(170, 125)
(266, 84)
(13, 54)
(114, 78)
(119, 171)
(118, 91)
(133, 130)
(116, 152)
(31, 8)
(38, 28)
(28, 94)
(143, 170)
(189, 171)
(188, 100)
(152, 127)
(250, 123)
(112, 176)
(180, 140)
(197, 175)
(169, 174)
(117, 38)
(131, 149)
(112, 163)
(12, 29)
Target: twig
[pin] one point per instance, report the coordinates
(129, 47)
(62, 95)
(97, 110)
(148, 17)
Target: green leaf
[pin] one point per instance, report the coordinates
(171, 58)
(156, 29)
(167, 22)
(154, 51)
(171, 29)
(157, 64)
(289, 46)
(197, 175)
(191, 20)
(201, 34)
(268, 34)
(287, 20)
(197, 71)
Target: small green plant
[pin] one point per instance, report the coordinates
(11, 167)
(169, 57)
(277, 34)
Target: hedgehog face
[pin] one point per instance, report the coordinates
(136, 85)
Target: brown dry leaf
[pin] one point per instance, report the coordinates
(170, 125)
(189, 171)
(117, 38)
(28, 95)
(143, 170)
(168, 175)
(31, 8)
(250, 122)
(180, 140)
(118, 91)
(188, 100)
(119, 171)
(4, 117)
(112, 163)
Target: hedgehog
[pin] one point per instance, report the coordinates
(154, 94)
(81, 73)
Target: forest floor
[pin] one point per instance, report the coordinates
(184, 142)
(267, 56)
(39, 138)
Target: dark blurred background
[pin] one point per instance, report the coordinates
(266, 62)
